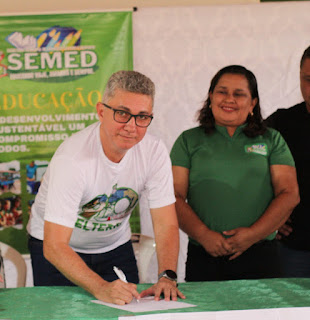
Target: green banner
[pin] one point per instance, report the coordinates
(53, 70)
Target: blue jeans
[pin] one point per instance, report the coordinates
(45, 274)
(295, 263)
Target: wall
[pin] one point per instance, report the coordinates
(182, 48)
(35, 6)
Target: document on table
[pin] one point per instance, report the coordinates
(257, 314)
(147, 304)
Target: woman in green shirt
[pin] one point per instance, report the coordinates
(235, 184)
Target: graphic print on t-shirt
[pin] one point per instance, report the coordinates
(104, 212)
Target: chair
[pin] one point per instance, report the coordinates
(9, 254)
(144, 249)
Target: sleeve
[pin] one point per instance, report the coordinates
(159, 185)
(179, 154)
(65, 190)
(280, 152)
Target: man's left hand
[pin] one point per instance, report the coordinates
(165, 287)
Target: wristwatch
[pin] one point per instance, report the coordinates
(169, 274)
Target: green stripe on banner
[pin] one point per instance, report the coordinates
(53, 70)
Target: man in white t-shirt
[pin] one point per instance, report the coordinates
(79, 226)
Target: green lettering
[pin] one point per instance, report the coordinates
(101, 227)
(78, 223)
(85, 225)
(95, 224)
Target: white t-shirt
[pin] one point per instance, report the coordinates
(82, 189)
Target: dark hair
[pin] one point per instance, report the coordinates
(255, 125)
(306, 55)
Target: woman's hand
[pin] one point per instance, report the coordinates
(215, 244)
(285, 230)
(240, 240)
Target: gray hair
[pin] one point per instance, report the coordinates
(131, 81)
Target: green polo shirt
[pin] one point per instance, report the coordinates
(229, 177)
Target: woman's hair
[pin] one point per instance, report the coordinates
(255, 125)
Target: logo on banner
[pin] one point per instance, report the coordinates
(54, 55)
(3, 67)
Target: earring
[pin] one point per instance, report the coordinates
(252, 114)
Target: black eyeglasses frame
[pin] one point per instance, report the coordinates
(131, 115)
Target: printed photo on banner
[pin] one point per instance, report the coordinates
(10, 199)
(34, 174)
(10, 177)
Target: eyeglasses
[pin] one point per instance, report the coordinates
(121, 116)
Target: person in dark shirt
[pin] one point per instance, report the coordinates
(294, 125)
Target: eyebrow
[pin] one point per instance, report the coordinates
(128, 110)
(223, 87)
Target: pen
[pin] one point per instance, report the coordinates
(121, 276)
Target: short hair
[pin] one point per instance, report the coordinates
(306, 55)
(131, 81)
(255, 125)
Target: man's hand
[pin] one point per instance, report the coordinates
(166, 287)
(216, 245)
(71, 265)
(118, 292)
(241, 239)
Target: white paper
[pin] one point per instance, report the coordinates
(147, 304)
(255, 314)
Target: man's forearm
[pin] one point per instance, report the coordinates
(167, 248)
(166, 231)
(71, 265)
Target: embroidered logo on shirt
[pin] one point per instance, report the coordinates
(259, 148)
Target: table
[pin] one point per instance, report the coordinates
(74, 303)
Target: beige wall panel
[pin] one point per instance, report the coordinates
(36, 6)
